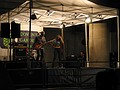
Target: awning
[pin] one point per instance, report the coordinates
(53, 13)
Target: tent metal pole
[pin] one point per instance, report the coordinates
(9, 52)
(28, 60)
(62, 34)
(118, 38)
(30, 25)
(86, 44)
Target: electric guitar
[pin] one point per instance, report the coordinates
(38, 46)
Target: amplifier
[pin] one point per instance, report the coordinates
(19, 51)
(20, 45)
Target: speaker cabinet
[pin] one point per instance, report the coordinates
(20, 51)
(5, 30)
(15, 30)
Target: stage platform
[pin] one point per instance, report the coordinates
(36, 75)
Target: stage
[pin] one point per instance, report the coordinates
(34, 74)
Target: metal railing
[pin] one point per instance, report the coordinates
(42, 74)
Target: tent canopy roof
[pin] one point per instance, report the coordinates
(53, 13)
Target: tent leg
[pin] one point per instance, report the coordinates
(86, 44)
(118, 38)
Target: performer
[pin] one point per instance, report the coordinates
(38, 45)
(58, 45)
(82, 58)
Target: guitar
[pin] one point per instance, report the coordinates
(38, 46)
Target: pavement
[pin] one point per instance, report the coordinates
(58, 88)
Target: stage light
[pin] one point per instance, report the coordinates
(62, 25)
(33, 16)
(88, 20)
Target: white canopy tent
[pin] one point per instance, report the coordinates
(53, 13)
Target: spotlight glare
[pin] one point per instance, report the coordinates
(88, 20)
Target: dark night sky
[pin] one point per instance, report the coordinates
(109, 3)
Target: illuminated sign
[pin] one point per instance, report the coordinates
(6, 42)
(24, 37)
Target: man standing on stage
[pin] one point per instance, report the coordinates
(38, 45)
